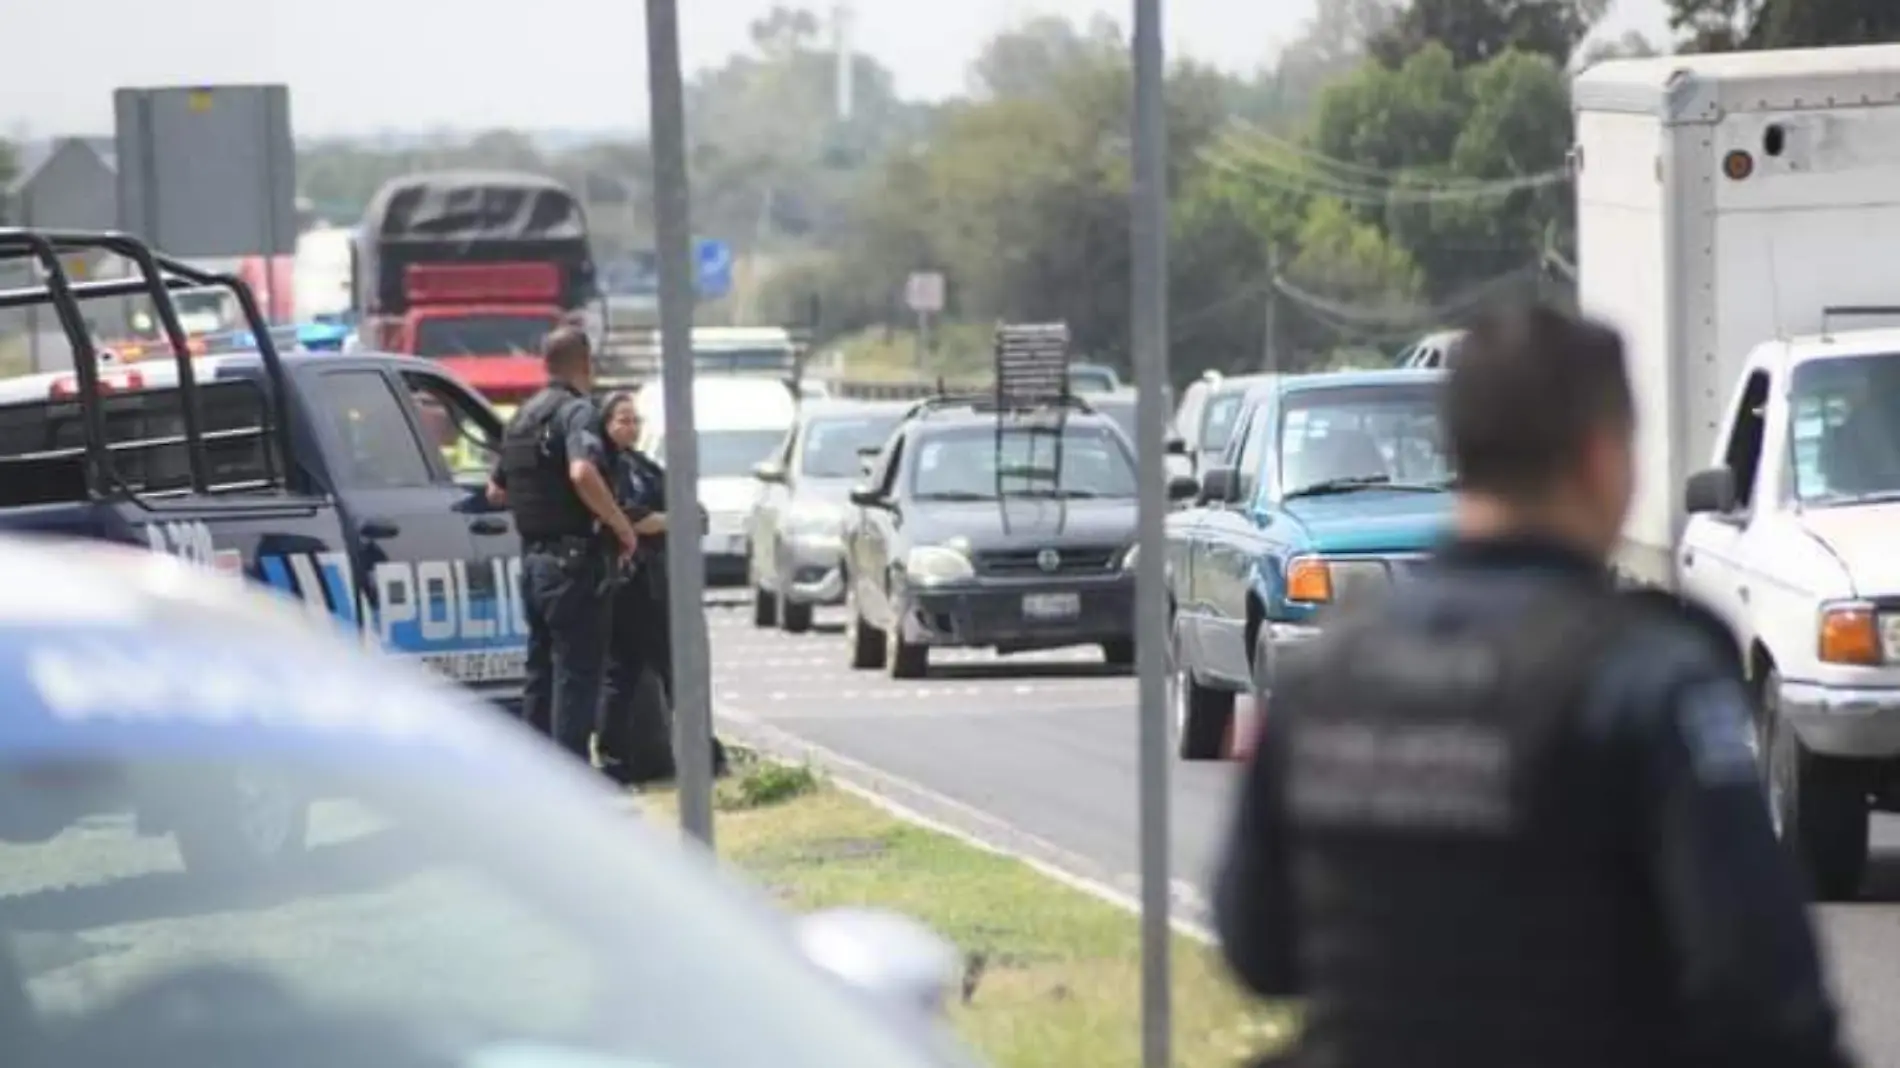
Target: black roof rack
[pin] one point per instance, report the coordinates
(157, 277)
(1032, 379)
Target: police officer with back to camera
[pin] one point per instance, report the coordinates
(1510, 815)
(549, 475)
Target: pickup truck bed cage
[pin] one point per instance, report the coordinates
(156, 277)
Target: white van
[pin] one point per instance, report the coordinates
(740, 421)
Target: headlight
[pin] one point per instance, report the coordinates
(1857, 633)
(1131, 558)
(934, 563)
(1318, 580)
(809, 520)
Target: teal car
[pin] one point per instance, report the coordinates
(1331, 486)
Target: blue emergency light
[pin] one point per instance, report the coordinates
(323, 337)
(304, 337)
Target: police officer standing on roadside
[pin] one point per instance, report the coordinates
(1510, 815)
(549, 475)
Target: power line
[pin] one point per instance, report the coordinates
(1348, 317)
(1274, 174)
(1240, 131)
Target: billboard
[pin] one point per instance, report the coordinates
(208, 171)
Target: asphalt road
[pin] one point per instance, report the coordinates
(1038, 753)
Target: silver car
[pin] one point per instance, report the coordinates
(796, 528)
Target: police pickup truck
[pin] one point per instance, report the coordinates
(330, 476)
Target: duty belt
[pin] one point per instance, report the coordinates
(559, 546)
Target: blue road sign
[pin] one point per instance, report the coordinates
(713, 269)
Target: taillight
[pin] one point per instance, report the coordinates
(67, 388)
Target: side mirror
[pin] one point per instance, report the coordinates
(1217, 486)
(892, 958)
(1710, 491)
(866, 496)
(1176, 446)
(1183, 487)
(768, 471)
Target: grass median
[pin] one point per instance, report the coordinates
(1056, 971)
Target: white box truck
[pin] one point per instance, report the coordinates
(1739, 221)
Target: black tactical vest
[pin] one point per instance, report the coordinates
(1464, 893)
(534, 466)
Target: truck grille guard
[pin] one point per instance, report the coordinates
(158, 277)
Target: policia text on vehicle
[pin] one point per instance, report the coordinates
(549, 473)
(1511, 816)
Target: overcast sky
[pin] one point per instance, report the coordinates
(357, 66)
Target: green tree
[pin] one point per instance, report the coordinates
(1458, 167)
(1722, 25)
(1021, 196)
(1333, 45)
(1474, 31)
(1631, 45)
(771, 162)
(1033, 58)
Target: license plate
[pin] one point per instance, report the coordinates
(479, 665)
(1051, 606)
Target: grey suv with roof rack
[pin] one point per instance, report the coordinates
(994, 525)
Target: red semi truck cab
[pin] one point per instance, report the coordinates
(473, 270)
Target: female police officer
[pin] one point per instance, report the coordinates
(635, 739)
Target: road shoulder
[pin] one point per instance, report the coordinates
(1052, 969)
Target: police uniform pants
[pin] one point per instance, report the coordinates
(635, 719)
(567, 640)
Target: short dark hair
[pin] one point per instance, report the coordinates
(1528, 389)
(566, 348)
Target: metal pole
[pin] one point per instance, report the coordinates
(1270, 330)
(1149, 318)
(685, 575)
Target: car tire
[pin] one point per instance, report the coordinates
(865, 641)
(1820, 804)
(249, 826)
(1201, 719)
(764, 608)
(794, 617)
(906, 660)
(1119, 653)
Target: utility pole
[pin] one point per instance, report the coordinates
(1270, 327)
(1148, 224)
(842, 17)
(685, 571)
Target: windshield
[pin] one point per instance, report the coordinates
(1092, 380)
(1121, 411)
(1375, 434)
(732, 360)
(832, 445)
(1217, 425)
(970, 464)
(1846, 429)
(429, 919)
(482, 335)
(733, 453)
(429, 923)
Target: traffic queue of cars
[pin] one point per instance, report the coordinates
(948, 523)
(969, 527)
